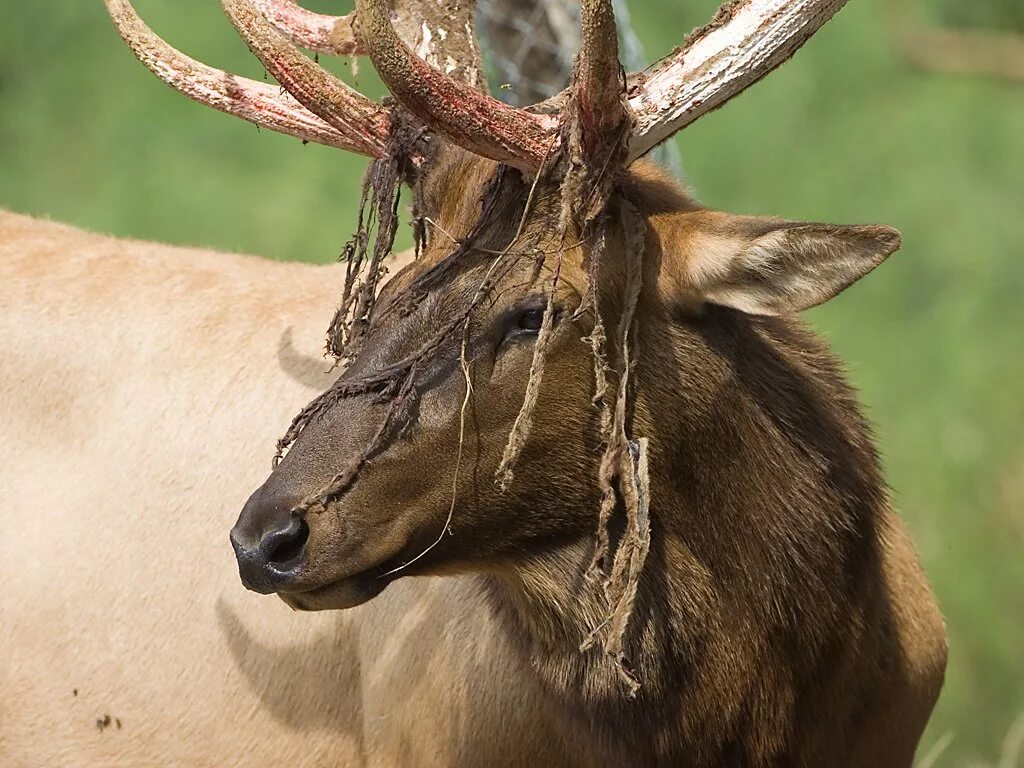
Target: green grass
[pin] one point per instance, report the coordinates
(847, 133)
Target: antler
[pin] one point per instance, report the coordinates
(597, 76)
(257, 102)
(316, 105)
(745, 41)
(445, 40)
(324, 34)
(361, 121)
(468, 117)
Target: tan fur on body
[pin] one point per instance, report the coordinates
(141, 391)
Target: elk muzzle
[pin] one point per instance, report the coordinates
(269, 540)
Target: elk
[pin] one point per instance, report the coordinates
(646, 516)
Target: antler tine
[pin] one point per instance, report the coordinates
(745, 41)
(362, 121)
(597, 76)
(468, 117)
(250, 100)
(332, 35)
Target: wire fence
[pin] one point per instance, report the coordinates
(529, 47)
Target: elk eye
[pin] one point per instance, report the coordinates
(524, 323)
(531, 320)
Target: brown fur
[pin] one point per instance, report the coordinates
(781, 617)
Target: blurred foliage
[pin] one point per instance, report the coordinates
(1005, 15)
(934, 339)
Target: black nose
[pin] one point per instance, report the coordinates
(269, 542)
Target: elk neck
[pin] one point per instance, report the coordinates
(766, 500)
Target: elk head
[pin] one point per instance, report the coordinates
(572, 317)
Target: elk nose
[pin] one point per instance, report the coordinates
(269, 542)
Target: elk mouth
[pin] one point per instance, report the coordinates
(346, 592)
(336, 595)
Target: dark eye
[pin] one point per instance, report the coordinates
(531, 320)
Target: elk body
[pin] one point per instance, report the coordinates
(653, 510)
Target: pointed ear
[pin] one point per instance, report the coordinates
(766, 266)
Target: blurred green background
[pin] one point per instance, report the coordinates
(847, 132)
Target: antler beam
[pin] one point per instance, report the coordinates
(256, 102)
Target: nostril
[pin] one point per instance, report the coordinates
(284, 547)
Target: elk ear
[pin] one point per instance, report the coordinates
(769, 266)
